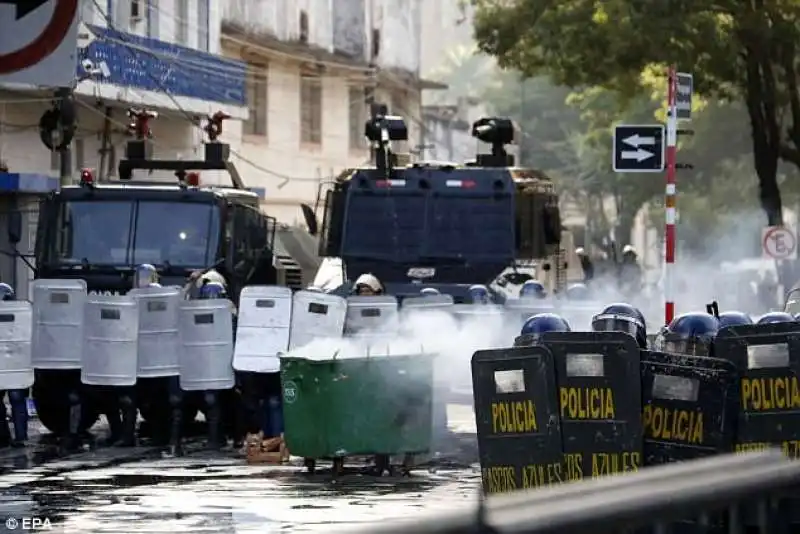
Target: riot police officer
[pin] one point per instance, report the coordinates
(367, 285)
(532, 289)
(733, 318)
(776, 317)
(211, 398)
(151, 389)
(479, 294)
(538, 324)
(578, 292)
(17, 399)
(621, 317)
(691, 334)
(630, 272)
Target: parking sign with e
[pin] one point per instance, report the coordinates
(779, 242)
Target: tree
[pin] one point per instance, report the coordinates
(736, 50)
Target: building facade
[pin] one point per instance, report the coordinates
(157, 54)
(313, 69)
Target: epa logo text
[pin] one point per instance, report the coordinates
(28, 523)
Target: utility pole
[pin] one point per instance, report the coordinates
(67, 110)
(105, 147)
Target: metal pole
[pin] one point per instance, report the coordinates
(65, 155)
(670, 195)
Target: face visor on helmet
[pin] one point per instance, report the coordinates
(616, 323)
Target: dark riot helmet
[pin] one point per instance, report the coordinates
(577, 292)
(539, 324)
(690, 334)
(7, 292)
(776, 317)
(532, 289)
(479, 294)
(622, 317)
(733, 318)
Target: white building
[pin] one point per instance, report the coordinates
(161, 55)
(312, 69)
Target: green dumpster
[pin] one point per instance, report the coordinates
(357, 406)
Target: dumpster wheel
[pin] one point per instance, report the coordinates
(383, 463)
(310, 464)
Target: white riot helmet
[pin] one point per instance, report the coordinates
(211, 276)
(368, 281)
(628, 249)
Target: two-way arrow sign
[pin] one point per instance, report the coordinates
(638, 148)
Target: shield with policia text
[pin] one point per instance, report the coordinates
(689, 406)
(768, 360)
(516, 414)
(597, 378)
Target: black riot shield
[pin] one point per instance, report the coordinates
(519, 437)
(597, 375)
(768, 360)
(689, 406)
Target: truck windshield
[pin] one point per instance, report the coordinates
(110, 232)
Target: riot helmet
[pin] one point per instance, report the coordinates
(368, 284)
(145, 275)
(622, 317)
(532, 289)
(577, 292)
(429, 292)
(733, 318)
(690, 334)
(7, 292)
(539, 324)
(776, 317)
(479, 294)
(213, 290)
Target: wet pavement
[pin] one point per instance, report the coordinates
(137, 490)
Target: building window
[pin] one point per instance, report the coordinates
(358, 115)
(79, 150)
(257, 93)
(136, 15)
(311, 110)
(203, 25)
(182, 22)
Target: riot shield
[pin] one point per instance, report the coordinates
(16, 325)
(689, 406)
(768, 360)
(316, 316)
(516, 414)
(597, 375)
(262, 330)
(369, 316)
(206, 355)
(57, 341)
(159, 339)
(110, 341)
(428, 302)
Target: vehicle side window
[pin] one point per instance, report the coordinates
(240, 233)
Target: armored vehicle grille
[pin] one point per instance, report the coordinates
(293, 274)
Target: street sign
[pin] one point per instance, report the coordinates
(638, 148)
(38, 42)
(779, 243)
(683, 96)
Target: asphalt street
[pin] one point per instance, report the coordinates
(139, 491)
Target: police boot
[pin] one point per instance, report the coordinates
(128, 422)
(5, 431)
(214, 420)
(72, 440)
(19, 415)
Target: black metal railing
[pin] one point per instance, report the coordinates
(721, 494)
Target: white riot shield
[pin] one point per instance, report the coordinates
(262, 331)
(110, 341)
(16, 327)
(57, 341)
(369, 316)
(316, 316)
(206, 355)
(159, 339)
(428, 302)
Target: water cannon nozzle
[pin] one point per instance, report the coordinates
(214, 126)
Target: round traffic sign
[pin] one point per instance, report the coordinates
(779, 243)
(45, 43)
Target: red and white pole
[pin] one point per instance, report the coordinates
(669, 195)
